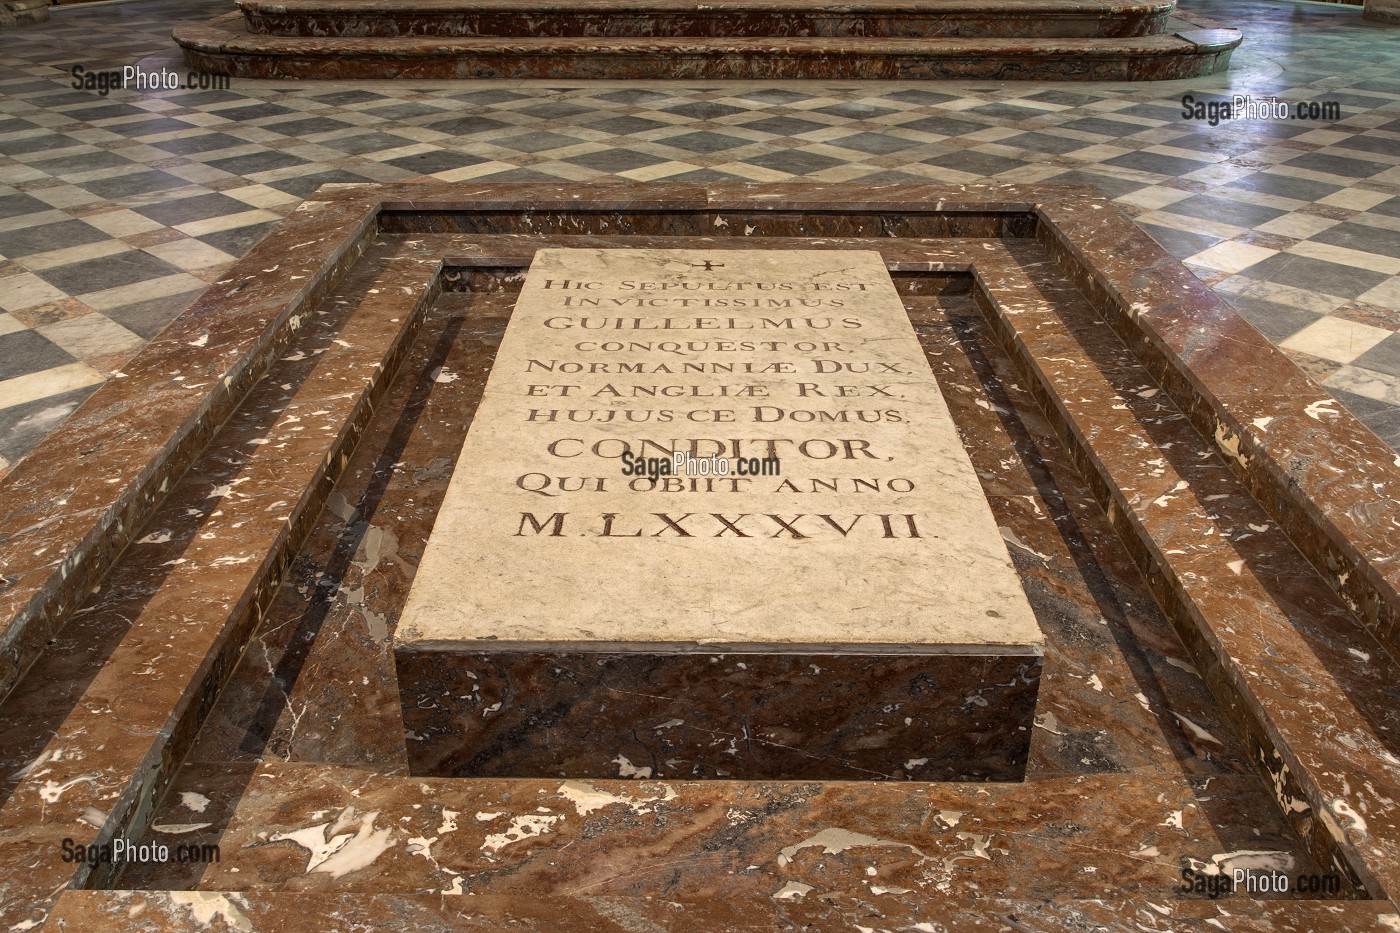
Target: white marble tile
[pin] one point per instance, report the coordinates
(1231, 256)
(65, 196)
(122, 223)
(197, 174)
(476, 171)
(1028, 174)
(1221, 173)
(962, 104)
(22, 390)
(190, 254)
(1297, 225)
(19, 174)
(1347, 257)
(1336, 339)
(1322, 137)
(1316, 302)
(991, 134)
(566, 170)
(753, 172)
(1196, 155)
(1098, 153)
(90, 335)
(1153, 197)
(1365, 382)
(110, 298)
(27, 290)
(25, 221)
(1358, 199)
(226, 222)
(1386, 294)
(198, 159)
(1191, 224)
(102, 174)
(71, 254)
(399, 152)
(847, 172)
(1379, 221)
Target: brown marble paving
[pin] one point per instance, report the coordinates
(1268, 241)
(1325, 210)
(51, 313)
(1375, 315)
(1316, 367)
(1128, 754)
(799, 219)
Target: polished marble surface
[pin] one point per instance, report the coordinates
(1290, 222)
(1175, 459)
(1182, 49)
(725, 17)
(731, 39)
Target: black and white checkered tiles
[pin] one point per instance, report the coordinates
(116, 211)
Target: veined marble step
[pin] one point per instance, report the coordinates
(300, 912)
(225, 46)
(749, 18)
(326, 830)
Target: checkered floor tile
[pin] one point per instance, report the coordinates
(116, 210)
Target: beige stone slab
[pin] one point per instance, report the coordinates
(875, 536)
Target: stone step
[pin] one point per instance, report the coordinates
(298, 911)
(320, 829)
(225, 46)
(733, 18)
(23, 12)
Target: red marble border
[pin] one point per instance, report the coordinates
(1323, 474)
(62, 528)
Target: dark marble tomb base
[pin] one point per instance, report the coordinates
(702, 715)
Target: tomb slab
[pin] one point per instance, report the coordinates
(713, 519)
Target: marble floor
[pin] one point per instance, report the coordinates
(116, 210)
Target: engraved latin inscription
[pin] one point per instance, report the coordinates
(714, 447)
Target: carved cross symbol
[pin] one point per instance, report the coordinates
(708, 266)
